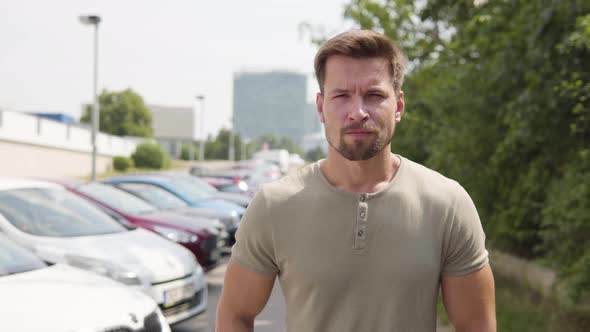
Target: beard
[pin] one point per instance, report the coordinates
(362, 149)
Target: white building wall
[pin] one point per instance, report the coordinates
(20, 159)
(28, 129)
(33, 146)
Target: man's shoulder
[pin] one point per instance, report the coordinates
(430, 181)
(289, 185)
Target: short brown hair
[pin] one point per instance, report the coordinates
(361, 44)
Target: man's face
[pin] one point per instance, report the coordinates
(358, 107)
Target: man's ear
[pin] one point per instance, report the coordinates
(400, 107)
(319, 103)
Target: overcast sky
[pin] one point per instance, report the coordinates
(167, 51)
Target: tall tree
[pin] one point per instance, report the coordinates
(122, 113)
(498, 97)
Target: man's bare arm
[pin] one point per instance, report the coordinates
(243, 297)
(470, 301)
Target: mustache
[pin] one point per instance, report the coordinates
(358, 127)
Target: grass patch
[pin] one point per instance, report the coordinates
(520, 309)
(174, 165)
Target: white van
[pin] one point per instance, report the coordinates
(280, 157)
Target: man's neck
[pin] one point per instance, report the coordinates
(360, 176)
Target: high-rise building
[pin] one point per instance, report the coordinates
(270, 103)
(312, 119)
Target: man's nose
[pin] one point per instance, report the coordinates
(357, 111)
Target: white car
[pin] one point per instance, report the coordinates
(36, 297)
(60, 227)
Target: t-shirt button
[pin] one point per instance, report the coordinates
(360, 233)
(363, 214)
(363, 197)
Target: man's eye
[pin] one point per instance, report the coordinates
(376, 95)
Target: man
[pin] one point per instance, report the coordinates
(363, 240)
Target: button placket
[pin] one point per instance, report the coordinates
(360, 232)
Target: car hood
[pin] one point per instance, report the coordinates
(37, 300)
(179, 220)
(220, 205)
(150, 256)
(238, 199)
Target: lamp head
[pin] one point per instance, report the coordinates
(90, 19)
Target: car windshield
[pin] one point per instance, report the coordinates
(117, 199)
(154, 195)
(14, 259)
(202, 184)
(54, 212)
(188, 189)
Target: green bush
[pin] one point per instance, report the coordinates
(150, 155)
(567, 225)
(185, 153)
(122, 164)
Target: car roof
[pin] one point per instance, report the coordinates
(9, 183)
(68, 183)
(146, 177)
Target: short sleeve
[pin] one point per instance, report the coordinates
(254, 248)
(465, 241)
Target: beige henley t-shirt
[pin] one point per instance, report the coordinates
(361, 261)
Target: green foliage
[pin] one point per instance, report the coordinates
(185, 153)
(218, 148)
(315, 154)
(398, 20)
(122, 113)
(122, 164)
(566, 223)
(521, 309)
(275, 142)
(497, 97)
(150, 155)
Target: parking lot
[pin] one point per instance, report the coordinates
(270, 320)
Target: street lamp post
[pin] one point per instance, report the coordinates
(231, 147)
(202, 130)
(245, 142)
(94, 20)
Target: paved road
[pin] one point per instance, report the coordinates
(270, 320)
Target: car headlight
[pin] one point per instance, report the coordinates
(104, 268)
(176, 235)
(243, 186)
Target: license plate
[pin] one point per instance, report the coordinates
(174, 295)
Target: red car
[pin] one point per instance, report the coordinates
(202, 236)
